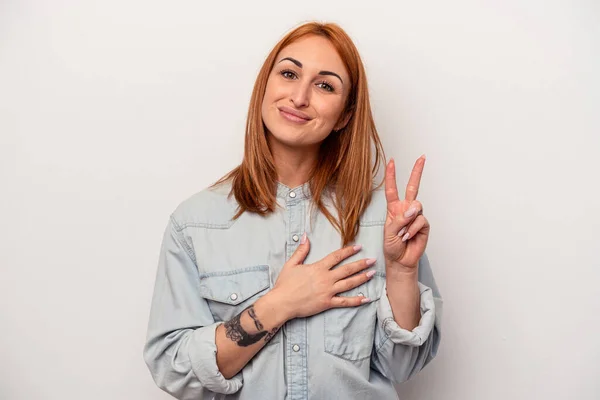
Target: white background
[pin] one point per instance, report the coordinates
(112, 112)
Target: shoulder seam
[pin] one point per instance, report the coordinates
(178, 232)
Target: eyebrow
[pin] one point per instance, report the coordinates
(299, 64)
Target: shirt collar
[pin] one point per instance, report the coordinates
(291, 194)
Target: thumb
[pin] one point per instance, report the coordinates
(301, 252)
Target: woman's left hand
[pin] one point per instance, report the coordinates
(405, 236)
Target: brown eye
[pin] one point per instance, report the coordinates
(288, 74)
(326, 86)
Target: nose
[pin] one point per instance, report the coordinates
(300, 95)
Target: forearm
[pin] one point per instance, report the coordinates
(403, 294)
(239, 339)
(404, 347)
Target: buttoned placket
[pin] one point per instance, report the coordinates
(296, 335)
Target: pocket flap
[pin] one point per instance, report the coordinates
(235, 286)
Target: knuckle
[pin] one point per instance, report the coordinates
(337, 258)
(348, 284)
(361, 265)
(343, 272)
(354, 268)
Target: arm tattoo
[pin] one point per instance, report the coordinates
(259, 326)
(235, 331)
(252, 314)
(271, 334)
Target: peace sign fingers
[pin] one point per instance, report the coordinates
(404, 217)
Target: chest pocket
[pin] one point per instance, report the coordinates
(349, 331)
(228, 293)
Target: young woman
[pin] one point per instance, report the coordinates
(295, 276)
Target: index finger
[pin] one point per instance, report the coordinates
(391, 191)
(412, 189)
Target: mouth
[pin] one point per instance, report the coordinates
(293, 115)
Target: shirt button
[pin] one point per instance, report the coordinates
(296, 348)
(295, 238)
(361, 294)
(292, 194)
(233, 296)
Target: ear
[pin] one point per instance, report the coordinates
(343, 121)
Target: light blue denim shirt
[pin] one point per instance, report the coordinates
(211, 268)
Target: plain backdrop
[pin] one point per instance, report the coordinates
(113, 112)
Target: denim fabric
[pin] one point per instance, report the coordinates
(210, 268)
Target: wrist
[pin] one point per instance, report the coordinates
(400, 273)
(275, 309)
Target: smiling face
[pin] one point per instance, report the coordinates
(305, 94)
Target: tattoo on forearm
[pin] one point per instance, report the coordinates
(270, 335)
(235, 331)
(252, 314)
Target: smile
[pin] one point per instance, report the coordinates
(293, 118)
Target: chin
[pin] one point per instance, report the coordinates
(289, 138)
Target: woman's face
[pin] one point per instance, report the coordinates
(305, 94)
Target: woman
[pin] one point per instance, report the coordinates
(254, 298)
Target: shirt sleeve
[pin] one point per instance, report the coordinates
(398, 353)
(180, 349)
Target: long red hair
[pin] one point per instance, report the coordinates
(345, 166)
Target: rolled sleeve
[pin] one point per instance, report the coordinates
(180, 349)
(398, 335)
(399, 353)
(203, 357)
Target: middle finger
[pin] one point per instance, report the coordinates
(412, 189)
(352, 268)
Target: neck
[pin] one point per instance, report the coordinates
(294, 164)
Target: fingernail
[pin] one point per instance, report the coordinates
(357, 247)
(411, 211)
(365, 300)
(402, 231)
(370, 274)
(406, 236)
(303, 238)
(371, 261)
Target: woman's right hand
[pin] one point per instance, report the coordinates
(303, 290)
